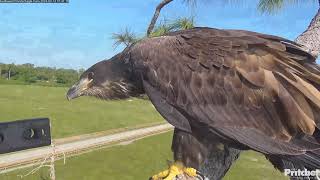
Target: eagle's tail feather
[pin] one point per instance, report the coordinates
(310, 161)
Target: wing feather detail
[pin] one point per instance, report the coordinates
(259, 90)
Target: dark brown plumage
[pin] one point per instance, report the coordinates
(239, 88)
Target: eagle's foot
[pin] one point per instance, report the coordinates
(174, 170)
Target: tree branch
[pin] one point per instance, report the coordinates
(156, 15)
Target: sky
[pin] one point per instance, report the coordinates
(78, 34)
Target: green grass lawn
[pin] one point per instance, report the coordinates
(253, 166)
(140, 160)
(68, 118)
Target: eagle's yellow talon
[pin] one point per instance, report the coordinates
(174, 170)
(190, 172)
(161, 175)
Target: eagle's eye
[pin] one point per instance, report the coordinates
(90, 76)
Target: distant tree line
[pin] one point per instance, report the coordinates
(30, 74)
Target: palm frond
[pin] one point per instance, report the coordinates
(270, 6)
(169, 26)
(192, 3)
(183, 23)
(125, 37)
(161, 29)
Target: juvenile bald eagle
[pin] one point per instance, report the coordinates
(238, 88)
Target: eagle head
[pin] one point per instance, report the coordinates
(108, 79)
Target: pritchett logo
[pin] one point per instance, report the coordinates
(302, 173)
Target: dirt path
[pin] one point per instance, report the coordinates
(13, 161)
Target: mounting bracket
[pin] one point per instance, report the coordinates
(24, 134)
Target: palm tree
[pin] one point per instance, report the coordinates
(183, 23)
(161, 29)
(157, 13)
(127, 37)
(170, 26)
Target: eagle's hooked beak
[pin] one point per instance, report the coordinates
(77, 89)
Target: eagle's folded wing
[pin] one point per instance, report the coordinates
(258, 90)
